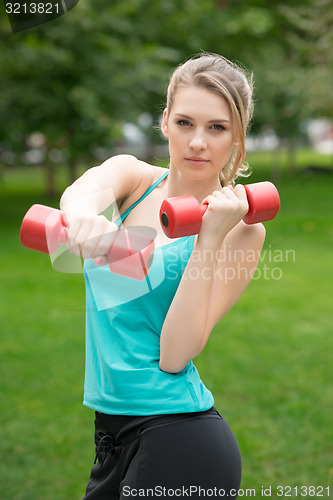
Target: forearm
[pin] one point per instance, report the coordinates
(185, 324)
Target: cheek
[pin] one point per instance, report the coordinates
(222, 152)
(173, 147)
(175, 140)
(224, 146)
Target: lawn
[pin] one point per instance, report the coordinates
(268, 362)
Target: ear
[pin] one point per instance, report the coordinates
(164, 126)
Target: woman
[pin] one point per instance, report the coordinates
(157, 432)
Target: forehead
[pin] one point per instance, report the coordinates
(200, 103)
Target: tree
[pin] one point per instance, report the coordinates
(79, 78)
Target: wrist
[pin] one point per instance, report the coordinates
(73, 209)
(211, 243)
(74, 205)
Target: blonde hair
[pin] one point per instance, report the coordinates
(228, 80)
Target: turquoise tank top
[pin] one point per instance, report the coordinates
(124, 319)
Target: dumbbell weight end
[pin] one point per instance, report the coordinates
(264, 202)
(176, 221)
(43, 229)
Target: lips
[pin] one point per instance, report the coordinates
(196, 158)
(196, 161)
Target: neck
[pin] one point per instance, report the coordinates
(178, 185)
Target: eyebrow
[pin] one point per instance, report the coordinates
(218, 120)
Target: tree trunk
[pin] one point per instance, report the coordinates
(276, 167)
(291, 158)
(50, 179)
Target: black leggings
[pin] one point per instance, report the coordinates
(187, 455)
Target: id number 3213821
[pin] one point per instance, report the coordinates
(32, 8)
(303, 491)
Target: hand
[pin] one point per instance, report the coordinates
(225, 209)
(90, 236)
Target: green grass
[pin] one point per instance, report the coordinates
(268, 363)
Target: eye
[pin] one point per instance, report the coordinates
(183, 123)
(218, 127)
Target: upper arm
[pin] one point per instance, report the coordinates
(114, 180)
(236, 266)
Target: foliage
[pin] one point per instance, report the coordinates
(294, 73)
(80, 77)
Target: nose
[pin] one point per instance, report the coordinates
(198, 141)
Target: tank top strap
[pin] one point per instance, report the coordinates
(146, 193)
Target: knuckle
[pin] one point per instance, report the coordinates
(102, 249)
(87, 246)
(216, 193)
(85, 254)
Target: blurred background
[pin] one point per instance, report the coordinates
(91, 84)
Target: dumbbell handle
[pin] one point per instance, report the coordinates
(182, 215)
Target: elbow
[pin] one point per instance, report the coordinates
(172, 365)
(176, 354)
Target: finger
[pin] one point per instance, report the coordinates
(89, 246)
(81, 239)
(240, 192)
(105, 233)
(104, 243)
(218, 195)
(73, 229)
(228, 192)
(100, 240)
(209, 200)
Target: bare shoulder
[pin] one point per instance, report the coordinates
(127, 175)
(130, 167)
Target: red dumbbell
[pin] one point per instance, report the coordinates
(131, 255)
(182, 215)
